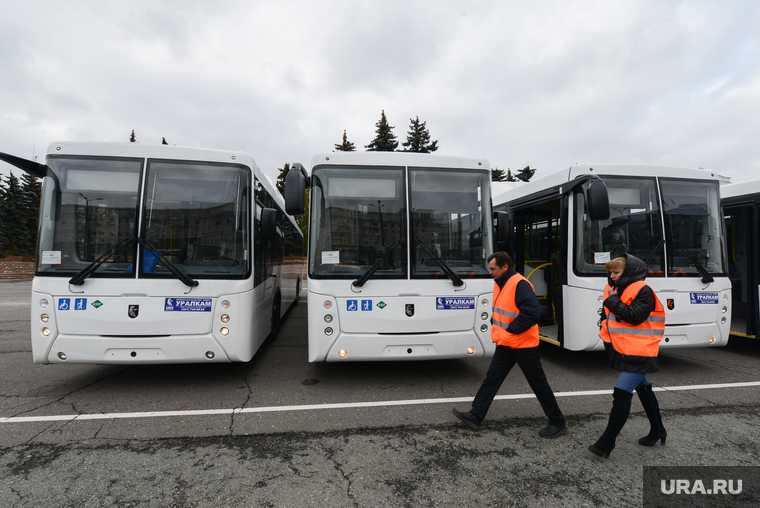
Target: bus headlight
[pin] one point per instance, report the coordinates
(43, 303)
(328, 304)
(724, 309)
(483, 328)
(725, 297)
(328, 331)
(225, 318)
(484, 316)
(44, 318)
(342, 353)
(328, 318)
(210, 355)
(45, 331)
(471, 350)
(723, 320)
(224, 331)
(225, 304)
(484, 302)
(62, 355)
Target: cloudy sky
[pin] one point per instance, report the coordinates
(541, 83)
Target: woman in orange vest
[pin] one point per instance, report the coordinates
(632, 327)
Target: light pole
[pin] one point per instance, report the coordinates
(380, 212)
(87, 256)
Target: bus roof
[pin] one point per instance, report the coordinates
(739, 189)
(557, 179)
(148, 150)
(426, 160)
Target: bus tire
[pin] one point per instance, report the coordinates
(298, 291)
(276, 306)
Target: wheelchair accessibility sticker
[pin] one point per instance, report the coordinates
(353, 305)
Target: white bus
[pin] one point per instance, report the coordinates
(158, 254)
(669, 217)
(397, 255)
(741, 208)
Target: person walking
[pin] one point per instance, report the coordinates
(515, 331)
(632, 326)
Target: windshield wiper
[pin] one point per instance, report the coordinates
(185, 278)
(88, 270)
(448, 271)
(372, 269)
(706, 277)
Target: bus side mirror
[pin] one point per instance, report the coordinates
(503, 227)
(268, 224)
(295, 190)
(598, 200)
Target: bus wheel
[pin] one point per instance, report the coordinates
(275, 317)
(298, 291)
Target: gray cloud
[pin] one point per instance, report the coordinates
(542, 83)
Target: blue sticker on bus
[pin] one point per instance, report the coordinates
(64, 303)
(187, 305)
(353, 305)
(704, 298)
(454, 303)
(80, 304)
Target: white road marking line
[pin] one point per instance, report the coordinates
(345, 405)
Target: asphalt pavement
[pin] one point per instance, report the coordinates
(278, 431)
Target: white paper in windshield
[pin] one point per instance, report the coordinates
(51, 257)
(331, 257)
(601, 257)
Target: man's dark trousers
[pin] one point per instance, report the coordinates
(504, 358)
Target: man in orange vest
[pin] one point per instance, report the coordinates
(515, 331)
(632, 326)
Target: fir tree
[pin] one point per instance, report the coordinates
(346, 146)
(31, 190)
(14, 232)
(132, 138)
(498, 175)
(281, 178)
(163, 140)
(385, 140)
(418, 138)
(525, 174)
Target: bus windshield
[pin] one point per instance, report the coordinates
(692, 234)
(693, 223)
(357, 214)
(359, 217)
(194, 214)
(89, 206)
(449, 222)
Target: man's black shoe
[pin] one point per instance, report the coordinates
(551, 431)
(470, 419)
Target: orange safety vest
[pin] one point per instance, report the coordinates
(505, 311)
(627, 339)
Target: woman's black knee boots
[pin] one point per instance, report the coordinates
(621, 407)
(652, 408)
